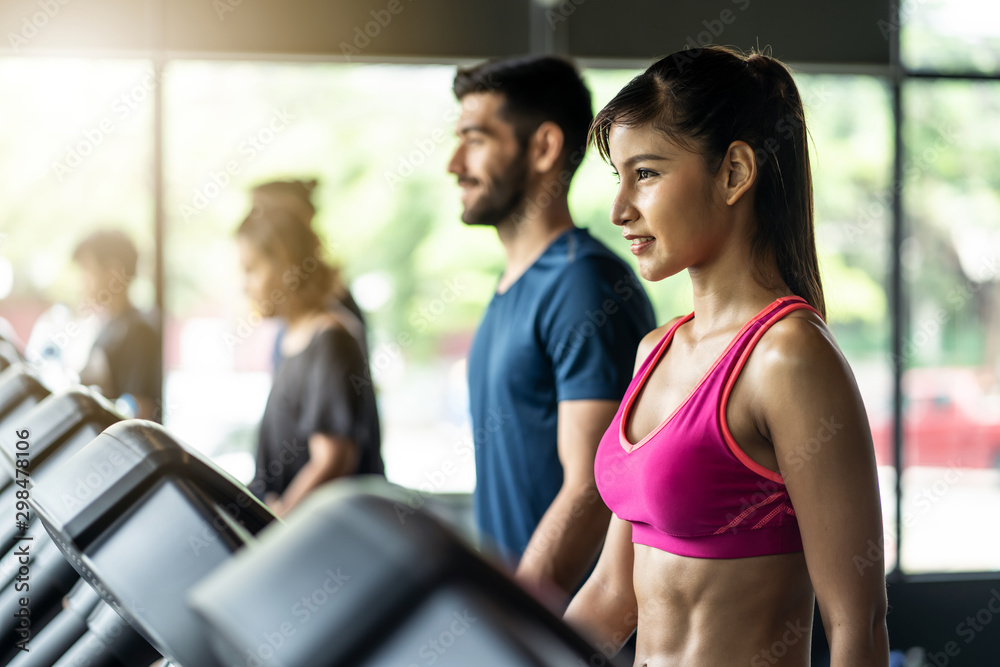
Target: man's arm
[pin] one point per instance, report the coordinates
(569, 536)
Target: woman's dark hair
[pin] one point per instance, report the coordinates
(706, 99)
(536, 89)
(284, 238)
(298, 190)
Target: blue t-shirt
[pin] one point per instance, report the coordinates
(566, 330)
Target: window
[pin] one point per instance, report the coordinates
(951, 263)
(75, 154)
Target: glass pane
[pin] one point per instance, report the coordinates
(952, 408)
(850, 122)
(949, 35)
(75, 155)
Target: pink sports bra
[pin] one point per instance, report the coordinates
(687, 487)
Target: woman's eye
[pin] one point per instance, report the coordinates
(644, 173)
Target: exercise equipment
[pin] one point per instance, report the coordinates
(8, 354)
(38, 441)
(143, 519)
(20, 390)
(359, 578)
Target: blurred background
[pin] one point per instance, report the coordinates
(158, 117)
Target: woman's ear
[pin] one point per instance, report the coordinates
(546, 147)
(738, 172)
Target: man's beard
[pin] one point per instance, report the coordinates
(503, 198)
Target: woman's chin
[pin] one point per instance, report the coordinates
(656, 271)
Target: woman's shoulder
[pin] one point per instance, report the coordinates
(800, 333)
(332, 329)
(798, 346)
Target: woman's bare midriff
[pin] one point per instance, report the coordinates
(700, 612)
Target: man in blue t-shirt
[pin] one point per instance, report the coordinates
(555, 350)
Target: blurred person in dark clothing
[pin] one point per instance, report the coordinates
(126, 360)
(321, 419)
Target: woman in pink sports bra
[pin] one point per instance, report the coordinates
(739, 467)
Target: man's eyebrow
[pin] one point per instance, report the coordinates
(473, 128)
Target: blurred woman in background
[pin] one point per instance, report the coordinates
(321, 419)
(296, 197)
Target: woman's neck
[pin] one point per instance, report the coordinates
(728, 292)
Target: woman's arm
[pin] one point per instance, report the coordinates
(605, 609)
(813, 414)
(329, 458)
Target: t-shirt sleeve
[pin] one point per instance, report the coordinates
(134, 353)
(596, 316)
(143, 372)
(331, 402)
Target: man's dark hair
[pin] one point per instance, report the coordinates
(111, 249)
(536, 89)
